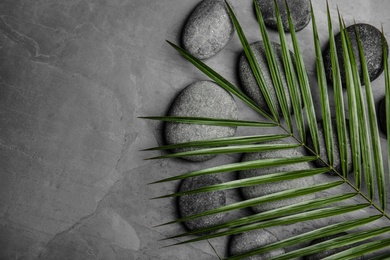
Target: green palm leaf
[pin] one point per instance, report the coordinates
(362, 130)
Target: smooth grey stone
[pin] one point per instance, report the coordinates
(371, 39)
(321, 255)
(269, 188)
(382, 115)
(200, 99)
(248, 80)
(251, 240)
(336, 153)
(208, 29)
(200, 202)
(299, 10)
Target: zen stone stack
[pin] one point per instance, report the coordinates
(201, 99)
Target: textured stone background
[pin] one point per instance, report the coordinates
(74, 77)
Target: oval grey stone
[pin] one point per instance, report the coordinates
(326, 253)
(371, 39)
(200, 99)
(336, 152)
(248, 80)
(200, 202)
(299, 10)
(269, 188)
(251, 240)
(208, 29)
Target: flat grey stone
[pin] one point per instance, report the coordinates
(269, 188)
(336, 153)
(251, 240)
(201, 99)
(371, 39)
(299, 10)
(200, 202)
(382, 115)
(321, 255)
(248, 80)
(208, 29)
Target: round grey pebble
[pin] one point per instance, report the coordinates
(299, 10)
(273, 187)
(321, 255)
(382, 116)
(371, 39)
(251, 240)
(336, 153)
(248, 80)
(200, 202)
(200, 99)
(208, 29)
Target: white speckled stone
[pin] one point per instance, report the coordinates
(208, 29)
(201, 202)
(201, 99)
(248, 80)
(299, 9)
(251, 240)
(371, 39)
(269, 188)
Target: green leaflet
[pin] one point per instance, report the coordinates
(373, 128)
(352, 105)
(325, 107)
(240, 166)
(231, 149)
(338, 99)
(304, 86)
(220, 80)
(218, 142)
(209, 121)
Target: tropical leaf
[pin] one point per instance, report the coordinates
(366, 194)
